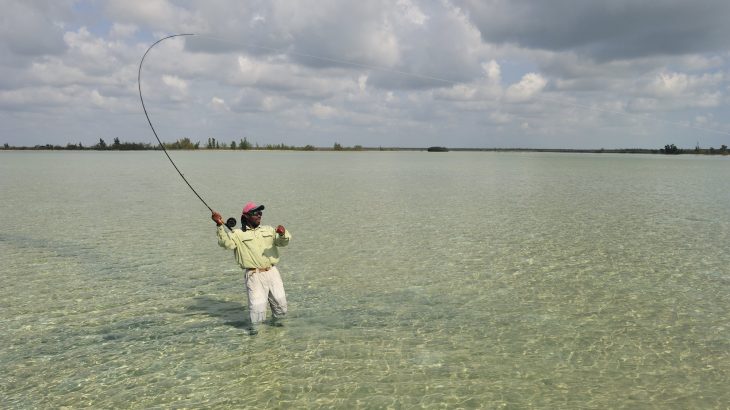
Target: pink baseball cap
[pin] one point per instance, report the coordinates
(251, 206)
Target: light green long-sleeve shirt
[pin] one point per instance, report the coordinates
(254, 248)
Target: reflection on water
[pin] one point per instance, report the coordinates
(414, 279)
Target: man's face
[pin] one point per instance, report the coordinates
(253, 219)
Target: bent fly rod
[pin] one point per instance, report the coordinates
(231, 222)
(139, 85)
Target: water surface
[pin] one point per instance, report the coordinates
(414, 280)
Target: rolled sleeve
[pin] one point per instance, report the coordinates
(282, 240)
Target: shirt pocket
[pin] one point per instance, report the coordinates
(247, 236)
(267, 239)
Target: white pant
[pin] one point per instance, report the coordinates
(265, 287)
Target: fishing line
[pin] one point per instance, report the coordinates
(139, 84)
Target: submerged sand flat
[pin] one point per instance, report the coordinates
(414, 279)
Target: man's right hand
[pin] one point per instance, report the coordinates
(217, 218)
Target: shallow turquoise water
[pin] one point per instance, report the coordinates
(414, 280)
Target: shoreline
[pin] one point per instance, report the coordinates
(701, 151)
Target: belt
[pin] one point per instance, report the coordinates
(259, 269)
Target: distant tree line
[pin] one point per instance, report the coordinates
(339, 147)
(244, 144)
(671, 149)
(711, 151)
(181, 144)
(102, 145)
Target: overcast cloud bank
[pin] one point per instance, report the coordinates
(462, 73)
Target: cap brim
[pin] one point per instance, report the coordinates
(258, 208)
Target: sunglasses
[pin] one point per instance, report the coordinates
(254, 213)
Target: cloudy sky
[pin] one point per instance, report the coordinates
(409, 73)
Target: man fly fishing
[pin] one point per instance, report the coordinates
(256, 250)
(255, 246)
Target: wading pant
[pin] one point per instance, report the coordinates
(265, 287)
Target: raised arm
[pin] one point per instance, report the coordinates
(282, 236)
(224, 238)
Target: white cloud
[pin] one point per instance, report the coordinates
(323, 111)
(362, 82)
(175, 82)
(30, 98)
(97, 99)
(457, 92)
(674, 90)
(530, 85)
(493, 72)
(674, 84)
(30, 28)
(218, 104)
(707, 100)
(700, 62)
(55, 72)
(122, 31)
(270, 103)
(257, 18)
(643, 104)
(156, 14)
(411, 12)
(702, 119)
(249, 70)
(381, 46)
(54, 97)
(500, 118)
(670, 84)
(177, 87)
(90, 53)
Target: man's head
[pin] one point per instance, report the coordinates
(251, 215)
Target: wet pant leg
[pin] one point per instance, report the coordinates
(276, 296)
(257, 292)
(265, 288)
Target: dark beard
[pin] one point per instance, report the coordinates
(248, 225)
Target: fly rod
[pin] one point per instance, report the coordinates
(139, 85)
(231, 222)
